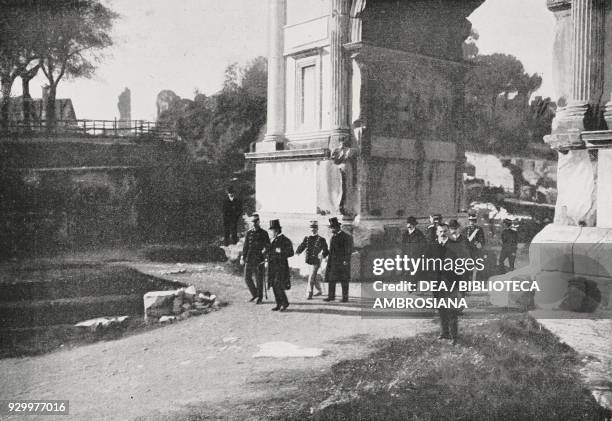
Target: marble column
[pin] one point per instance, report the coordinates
(586, 60)
(276, 75)
(339, 33)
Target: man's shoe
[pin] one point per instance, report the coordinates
(309, 296)
(443, 337)
(283, 308)
(276, 308)
(252, 299)
(259, 301)
(319, 293)
(329, 299)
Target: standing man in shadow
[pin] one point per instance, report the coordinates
(232, 211)
(281, 249)
(442, 249)
(339, 261)
(256, 243)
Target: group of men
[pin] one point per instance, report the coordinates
(260, 252)
(442, 240)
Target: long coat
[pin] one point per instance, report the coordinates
(232, 210)
(414, 244)
(339, 262)
(255, 246)
(281, 249)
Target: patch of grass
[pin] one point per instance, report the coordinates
(505, 369)
(186, 254)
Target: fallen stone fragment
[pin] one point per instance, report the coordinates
(102, 322)
(167, 319)
(158, 303)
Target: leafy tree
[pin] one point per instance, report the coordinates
(18, 39)
(72, 35)
(498, 113)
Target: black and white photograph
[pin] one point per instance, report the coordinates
(306, 210)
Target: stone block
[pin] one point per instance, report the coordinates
(158, 303)
(102, 323)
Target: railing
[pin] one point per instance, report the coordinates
(98, 128)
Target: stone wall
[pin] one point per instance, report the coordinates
(81, 193)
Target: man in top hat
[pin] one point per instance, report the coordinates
(316, 248)
(254, 252)
(339, 262)
(442, 249)
(509, 237)
(413, 239)
(280, 250)
(232, 211)
(435, 220)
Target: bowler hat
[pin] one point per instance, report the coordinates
(333, 222)
(314, 224)
(472, 216)
(255, 217)
(453, 223)
(275, 224)
(411, 220)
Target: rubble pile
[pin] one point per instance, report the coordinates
(180, 304)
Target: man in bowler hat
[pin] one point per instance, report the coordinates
(339, 261)
(413, 240)
(254, 251)
(280, 250)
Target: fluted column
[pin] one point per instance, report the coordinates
(276, 73)
(586, 83)
(339, 32)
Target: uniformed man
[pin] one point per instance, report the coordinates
(475, 236)
(455, 233)
(441, 249)
(232, 212)
(316, 249)
(339, 261)
(435, 220)
(280, 250)
(254, 251)
(509, 237)
(476, 242)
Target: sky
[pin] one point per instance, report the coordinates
(185, 45)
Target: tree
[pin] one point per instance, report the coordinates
(498, 91)
(73, 33)
(17, 49)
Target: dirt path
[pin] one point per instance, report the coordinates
(206, 359)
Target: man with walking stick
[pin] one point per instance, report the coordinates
(256, 243)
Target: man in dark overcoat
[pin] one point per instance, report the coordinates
(476, 242)
(339, 261)
(435, 220)
(413, 239)
(442, 248)
(254, 251)
(232, 212)
(509, 237)
(281, 249)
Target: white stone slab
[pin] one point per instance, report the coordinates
(286, 350)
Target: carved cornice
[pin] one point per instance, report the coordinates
(289, 155)
(557, 5)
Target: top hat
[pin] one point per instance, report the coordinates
(411, 220)
(314, 224)
(333, 222)
(472, 217)
(454, 224)
(275, 224)
(255, 217)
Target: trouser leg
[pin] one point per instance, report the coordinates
(279, 295)
(331, 290)
(234, 232)
(260, 273)
(226, 234)
(453, 323)
(511, 259)
(345, 289)
(444, 322)
(248, 278)
(313, 282)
